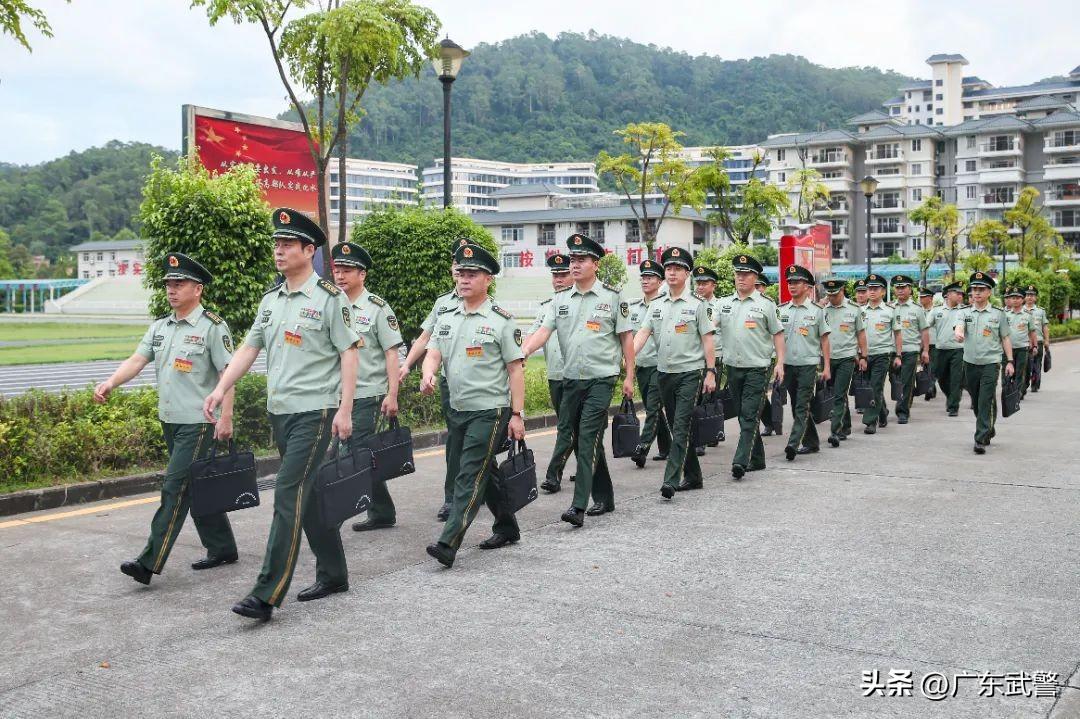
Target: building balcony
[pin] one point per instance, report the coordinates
(887, 231)
(1066, 221)
(845, 183)
(891, 182)
(995, 201)
(1062, 171)
(884, 158)
(1059, 198)
(1062, 143)
(1001, 149)
(1001, 175)
(887, 207)
(830, 159)
(834, 210)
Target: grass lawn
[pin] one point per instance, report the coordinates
(74, 352)
(75, 331)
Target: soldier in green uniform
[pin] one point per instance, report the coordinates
(847, 345)
(760, 284)
(948, 356)
(914, 342)
(984, 331)
(559, 265)
(806, 337)
(1022, 333)
(305, 325)
(883, 348)
(862, 292)
(1042, 334)
(377, 373)
(593, 325)
(447, 302)
(705, 280)
(478, 345)
(751, 332)
(926, 301)
(682, 326)
(656, 421)
(190, 348)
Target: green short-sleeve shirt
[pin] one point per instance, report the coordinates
(983, 331)
(1020, 324)
(378, 330)
(638, 309)
(943, 327)
(911, 321)
(188, 354)
(444, 303)
(846, 322)
(589, 325)
(304, 333)
(804, 326)
(475, 348)
(747, 327)
(552, 353)
(677, 325)
(718, 345)
(880, 325)
(1040, 320)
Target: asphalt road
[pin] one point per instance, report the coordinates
(770, 597)
(16, 379)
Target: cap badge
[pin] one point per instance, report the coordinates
(284, 218)
(173, 262)
(558, 259)
(467, 252)
(345, 249)
(742, 258)
(791, 270)
(675, 252)
(577, 240)
(978, 275)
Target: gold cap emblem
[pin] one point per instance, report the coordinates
(791, 270)
(467, 252)
(978, 275)
(345, 249)
(284, 218)
(577, 240)
(558, 259)
(742, 258)
(173, 262)
(675, 252)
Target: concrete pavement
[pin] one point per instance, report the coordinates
(763, 598)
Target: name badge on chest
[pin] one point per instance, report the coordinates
(293, 338)
(182, 365)
(475, 351)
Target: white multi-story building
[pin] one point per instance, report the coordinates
(116, 258)
(475, 181)
(370, 185)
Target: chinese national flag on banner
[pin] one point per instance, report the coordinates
(281, 156)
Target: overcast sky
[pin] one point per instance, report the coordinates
(121, 69)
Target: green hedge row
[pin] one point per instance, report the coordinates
(1068, 328)
(48, 439)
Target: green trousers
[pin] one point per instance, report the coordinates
(982, 386)
(748, 391)
(843, 373)
(878, 367)
(444, 406)
(186, 443)
(365, 416)
(582, 421)
(949, 371)
(302, 440)
(656, 424)
(800, 380)
(555, 469)
(909, 364)
(1020, 359)
(679, 393)
(473, 440)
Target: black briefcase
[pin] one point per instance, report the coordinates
(896, 387)
(924, 381)
(1010, 396)
(776, 408)
(822, 401)
(1046, 359)
(706, 422)
(625, 430)
(223, 482)
(343, 483)
(392, 451)
(516, 477)
(727, 400)
(863, 390)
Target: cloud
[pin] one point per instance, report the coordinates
(118, 69)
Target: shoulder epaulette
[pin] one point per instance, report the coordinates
(501, 312)
(275, 288)
(786, 303)
(609, 287)
(544, 302)
(329, 287)
(564, 289)
(377, 301)
(213, 317)
(696, 296)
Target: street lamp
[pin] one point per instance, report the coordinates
(1003, 240)
(869, 187)
(447, 66)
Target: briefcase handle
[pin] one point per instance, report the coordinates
(627, 406)
(516, 447)
(214, 446)
(392, 423)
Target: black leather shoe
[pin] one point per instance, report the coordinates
(254, 608)
(901, 420)
(714, 443)
(497, 540)
(699, 451)
(870, 429)
(808, 450)
(686, 486)
(443, 553)
(790, 453)
(667, 491)
(883, 421)
(574, 516)
(211, 562)
(767, 433)
(318, 590)
(369, 526)
(639, 460)
(953, 413)
(737, 471)
(720, 438)
(843, 435)
(136, 571)
(573, 477)
(980, 448)
(834, 440)
(599, 508)
(444, 512)
(662, 457)
(550, 486)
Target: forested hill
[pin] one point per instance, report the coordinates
(533, 98)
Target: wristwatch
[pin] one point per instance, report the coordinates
(518, 413)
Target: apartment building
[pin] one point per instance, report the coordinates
(370, 185)
(475, 181)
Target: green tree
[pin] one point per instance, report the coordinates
(923, 216)
(222, 221)
(13, 13)
(654, 165)
(945, 230)
(720, 262)
(767, 254)
(813, 194)
(612, 270)
(743, 212)
(411, 252)
(7, 270)
(1036, 235)
(978, 262)
(333, 55)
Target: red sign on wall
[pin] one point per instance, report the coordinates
(811, 248)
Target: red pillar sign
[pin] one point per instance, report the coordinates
(810, 248)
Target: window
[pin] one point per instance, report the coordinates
(916, 108)
(916, 243)
(511, 259)
(112, 273)
(972, 192)
(939, 97)
(112, 255)
(916, 145)
(894, 111)
(909, 97)
(546, 234)
(86, 256)
(781, 177)
(971, 142)
(100, 273)
(939, 111)
(971, 215)
(633, 231)
(929, 121)
(929, 108)
(100, 256)
(780, 155)
(941, 146)
(916, 195)
(513, 233)
(916, 168)
(926, 94)
(970, 165)
(909, 109)
(939, 170)
(938, 83)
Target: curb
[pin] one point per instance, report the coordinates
(36, 500)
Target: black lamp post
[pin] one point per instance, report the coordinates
(1003, 241)
(447, 66)
(869, 187)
